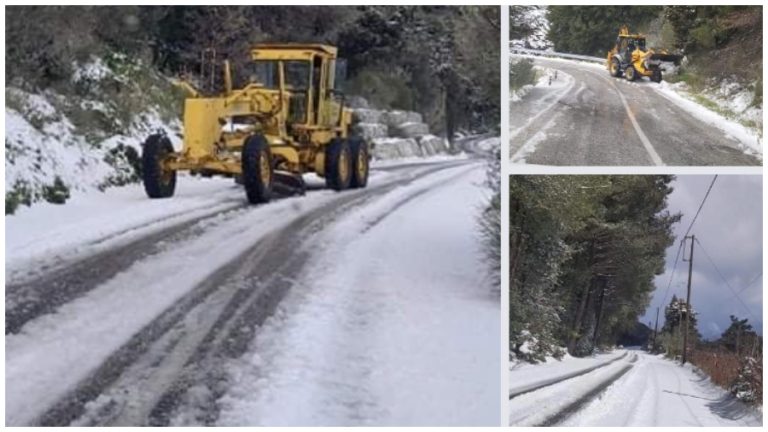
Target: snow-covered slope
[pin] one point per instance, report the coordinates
(86, 137)
(536, 17)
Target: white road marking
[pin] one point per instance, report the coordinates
(644, 139)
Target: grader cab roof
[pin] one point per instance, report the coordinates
(291, 51)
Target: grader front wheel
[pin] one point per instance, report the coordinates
(159, 182)
(338, 164)
(359, 150)
(257, 169)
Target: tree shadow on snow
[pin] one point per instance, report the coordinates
(730, 408)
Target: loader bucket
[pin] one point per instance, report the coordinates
(664, 57)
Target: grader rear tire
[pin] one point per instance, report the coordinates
(158, 181)
(338, 164)
(256, 163)
(360, 168)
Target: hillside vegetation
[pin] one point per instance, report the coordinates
(86, 84)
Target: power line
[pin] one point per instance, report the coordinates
(751, 282)
(701, 206)
(671, 276)
(726, 281)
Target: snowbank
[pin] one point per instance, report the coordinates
(750, 139)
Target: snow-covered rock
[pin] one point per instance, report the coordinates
(370, 131)
(366, 115)
(432, 145)
(397, 117)
(396, 134)
(393, 148)
(410, 130)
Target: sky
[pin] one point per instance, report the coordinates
(729, 229)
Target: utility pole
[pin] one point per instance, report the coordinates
(688, 300)
(655, 330)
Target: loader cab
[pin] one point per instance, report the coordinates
(305, 75)
(628, 44)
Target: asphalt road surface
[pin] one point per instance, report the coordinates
(588, 118)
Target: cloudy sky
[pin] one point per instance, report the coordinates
(729, 229)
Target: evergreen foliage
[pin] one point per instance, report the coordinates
(447, 58)
(583, 254)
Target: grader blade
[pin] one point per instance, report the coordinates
(288, 184)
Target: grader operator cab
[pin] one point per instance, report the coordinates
(631, 58)
(285, 118)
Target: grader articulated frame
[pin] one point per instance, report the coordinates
(285, 118)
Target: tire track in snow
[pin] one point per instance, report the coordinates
(56, 284)
(30, 299)
(546, 383)
(578, 404)
(221, 335)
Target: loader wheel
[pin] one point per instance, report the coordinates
(256, 163)
(159, 182)
(338, 164)
(630, 73)
(359, 150)
(615, 68)
(656, 76)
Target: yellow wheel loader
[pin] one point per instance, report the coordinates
(631, 58)
(284, 119)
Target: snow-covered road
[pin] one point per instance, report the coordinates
(155, 320)
(638, 390)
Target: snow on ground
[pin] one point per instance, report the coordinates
(54, 352)
(357, 343)
(654, 392)
(42, 144)
(526, 375)
(415, 160)
(749, 139)
(550, 94)
(534, 408)
(93, 221)
(660, 392)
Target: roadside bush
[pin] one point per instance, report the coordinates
(521, 73)
(748, 386)
(57, 193)
(19, 194)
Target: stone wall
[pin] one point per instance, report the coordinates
(396, 134)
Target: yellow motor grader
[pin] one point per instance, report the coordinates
(284, 119)
(631, 58)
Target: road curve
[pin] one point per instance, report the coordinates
(599, 120)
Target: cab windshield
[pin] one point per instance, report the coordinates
(265, 73)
